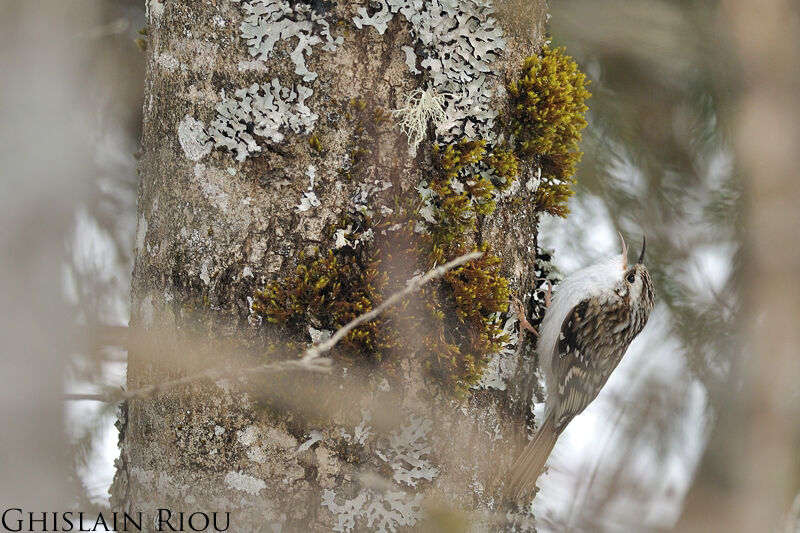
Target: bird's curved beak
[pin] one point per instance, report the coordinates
(624, 252)
(641, 256)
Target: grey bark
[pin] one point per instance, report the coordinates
(212, 231)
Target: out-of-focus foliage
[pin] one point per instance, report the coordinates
(659, 157)
(97, 259)
(658, 162)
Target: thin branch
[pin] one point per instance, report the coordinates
(87, 397)
(413, 286)
(311, 360)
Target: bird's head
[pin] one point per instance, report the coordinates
(635, 281)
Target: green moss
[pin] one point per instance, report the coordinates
(505, 164)
(141, 42)
(478, 294)
(315, 143)
(546, 120)
(457, 320)
(358, 103)
(458, 196)
(329, 291)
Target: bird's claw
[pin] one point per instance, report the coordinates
(523, 322)
(548, 294)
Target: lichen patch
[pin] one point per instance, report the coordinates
(193, 139)
(263, 111)
(267, 22)
(461, 40)
(155, 9)
(168, 61)
(383, 513)
(244, 482)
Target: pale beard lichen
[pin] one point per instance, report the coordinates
(420, 109)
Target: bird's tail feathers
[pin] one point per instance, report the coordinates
(529, 465)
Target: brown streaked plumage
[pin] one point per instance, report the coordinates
(595, 315)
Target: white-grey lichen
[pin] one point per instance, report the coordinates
(362, 430)
(168, 61)
(407, 451)
(361, 198)
(318, 335)
(154, 9)
(346, 513)
(386, 509)
(503, 364)
(411, 59)
(244, 482)
(314, 436)
(263, 111)
(384, 513)
(193, 138)
(341, 237)
(535, 180)
(309, 198)
(307, 201)
(461, 40)
(428, 209)
(267, 22)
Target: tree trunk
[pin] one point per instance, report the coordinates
(260, 157)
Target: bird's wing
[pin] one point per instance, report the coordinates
(573, 363)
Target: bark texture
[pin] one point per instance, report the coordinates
(215, 227)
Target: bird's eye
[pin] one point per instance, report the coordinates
(631, 278)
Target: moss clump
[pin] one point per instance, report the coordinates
(546, 120)
(141, 42)
(469, 306)
(464, 189)
(505, 164)
(330, 291)
(457, 320)
(315, 143)
(479, 295)
(458, 196)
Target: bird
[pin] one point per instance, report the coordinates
(593, 316)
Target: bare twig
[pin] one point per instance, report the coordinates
(311, 360)
(413, 286)
(87, 397)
